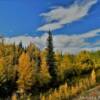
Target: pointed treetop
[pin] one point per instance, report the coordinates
(1, 39)
(49, 32)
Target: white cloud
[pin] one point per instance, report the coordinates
(91, 49)
(24, 39)
(59, 16)
(65, 43)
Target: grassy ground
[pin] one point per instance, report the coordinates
(92, 94)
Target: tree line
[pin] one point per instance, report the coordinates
(31, 71)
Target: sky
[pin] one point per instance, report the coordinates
(75, 24)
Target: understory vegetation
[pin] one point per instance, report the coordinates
(28, 73)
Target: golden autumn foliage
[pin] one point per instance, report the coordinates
(64, 92)
(25, 73)
(84, 61)
(43, 75)
(60, 71)
(93, 77)
(3, 76)
(14, 97)
(63, 63)
(32, 51)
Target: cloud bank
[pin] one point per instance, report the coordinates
(57, 17)
(65, 43)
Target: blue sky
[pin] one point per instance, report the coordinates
(65, 18)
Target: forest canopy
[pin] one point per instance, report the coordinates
(31, 73)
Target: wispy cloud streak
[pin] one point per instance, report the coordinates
(56, 18)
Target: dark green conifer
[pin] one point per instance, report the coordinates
(50, 58)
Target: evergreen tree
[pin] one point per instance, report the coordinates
(15, 55)
(2, 40)
(50, 58)
(20, 45)
(20, 48)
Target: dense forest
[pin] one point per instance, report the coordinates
(28, 73)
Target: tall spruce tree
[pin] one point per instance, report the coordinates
(50, 58)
